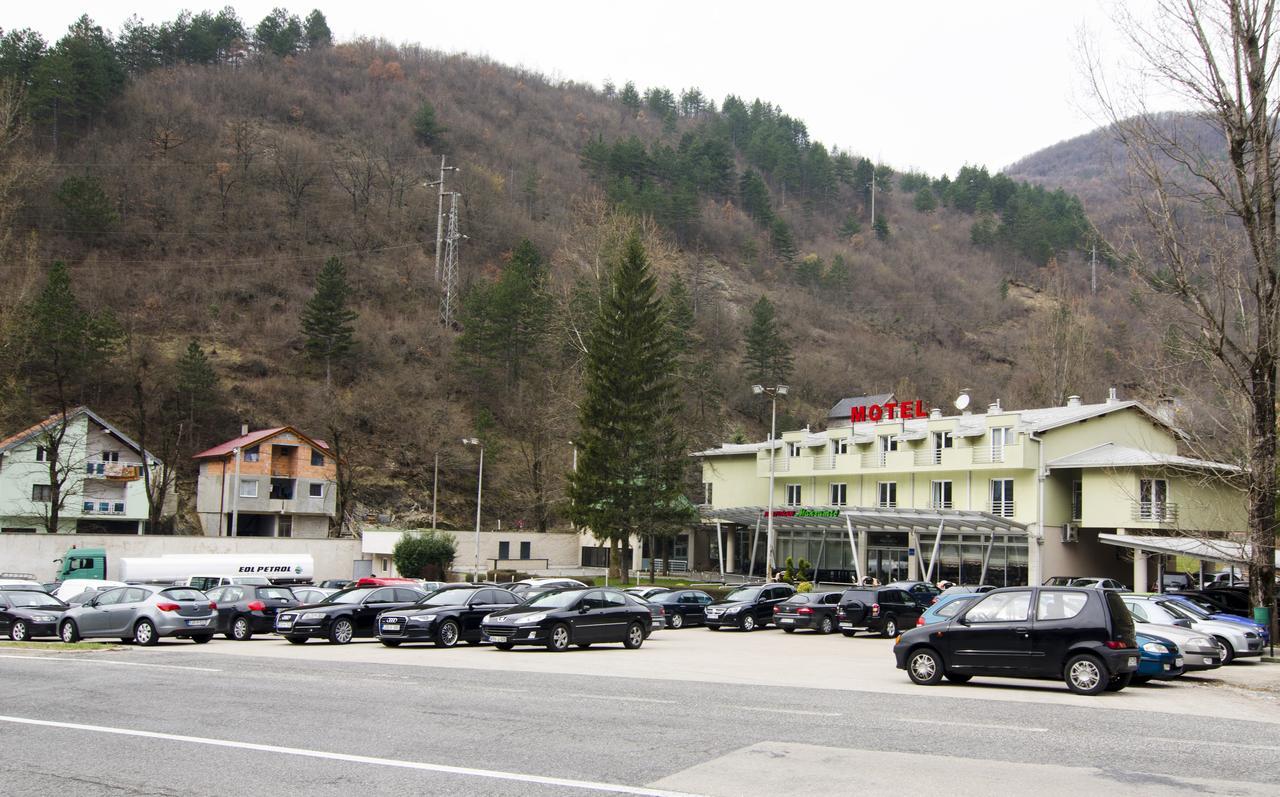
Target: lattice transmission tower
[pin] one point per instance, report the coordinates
(449, 268)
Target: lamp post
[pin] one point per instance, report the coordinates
(475, 441)
(770, 551)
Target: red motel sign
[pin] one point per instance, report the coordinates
(889, 411)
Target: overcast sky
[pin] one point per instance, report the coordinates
(927, 85)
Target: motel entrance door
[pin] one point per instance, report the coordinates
(887, 564)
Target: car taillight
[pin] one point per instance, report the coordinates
(935, 600)
(1116, 644)
(167, 607)
(875, 609)
(777, 609)
(919, 621)
(213, 605)
(254, 606)
(805, 610)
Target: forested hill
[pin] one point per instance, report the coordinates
(196, 174)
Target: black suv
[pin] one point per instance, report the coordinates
(881, 610)
(747, 608)
(1084, 636)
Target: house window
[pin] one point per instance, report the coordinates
(1002, 497)
(42, 454)
(110, 456)
(999, 439)
(793, 449)
(251, 454)
(886, 443)
(942, 440)
(87, 507)
(707, 491)
(281, 489)
(1153, 499)
(888, 494)
(1077, 499)
(793, 495)
(839, 494)
(248, 488)
(526, 549)
(841, 446)
(940, 494)
(284, 526)
(316, 490)
(504, 550)
(317, 459)
(41, 493)
(118, 507)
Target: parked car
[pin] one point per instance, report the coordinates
(387, 581)
(1234, 600)
(747, 608)
(1202, 613)
(206, 583)
(645, 593)
(1233, 639)
(1160, 659)
(1172, 581)
(922, 592)
(447, 616)
(582, 617)
(963, 589)
(87, 595)
(683, 606)
(29, 613)
(22, 583)
(816, 610)
(69, 589)
(307, 595)
(142, 614)
(539, 585)
(245, 610)
(1199, 652)
(1100, 583)
(336, 583)
(345, 614)
(1059, 581)
(881, 610)
(1082, 636)
(946, 607)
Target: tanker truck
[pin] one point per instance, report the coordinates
(277, 568)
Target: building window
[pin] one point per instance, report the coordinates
(839, 494)
(284, 526)
(886, 444)
(1153, 499)
(999, 439)
(41, 493)
(707, 492)
(317, 459)
(888, 494)
(841, 445)
(940, 494)
(793, 449)
(1077, 499)
(1002, 497)
(42, 454)
(526, 549)
(316, 490)
(793, 495)
(251, 454)
(281, 489)
(110, 456)
(504, 549)
(248, 488)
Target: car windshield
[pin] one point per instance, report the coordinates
(353, 595)
(743, 594)
(275, 594)
(665, 597)
(447, 597)
(555, 600)
(183, 594)
(31, 599)
(949, 609)
(1179, 610)
(797, 599)
(1191, 609)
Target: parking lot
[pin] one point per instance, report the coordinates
(691, 712)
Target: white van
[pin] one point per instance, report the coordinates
(204, 583)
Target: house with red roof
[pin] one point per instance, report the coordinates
(270, 483)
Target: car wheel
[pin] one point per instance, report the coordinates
(1225, 649)
(789, 630)
(504, 645)
(849, 632)
(1085, 675)
(447, 634)
(677, 621)
(748, 622)
(202, 639)
(144, 633)
(1119, 682)
(391, 643)
(635, 636)
(558, 639)
(341, 632)
(19, 632)
(240, 629)
(827, 626)
(297, 640)
(958, 677)
(69, 632)
(890, 628)
(925, 667)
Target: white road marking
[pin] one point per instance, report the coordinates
(587, 785)
(1202, 741)
(977, 725)
(505, 690)
(112, 663)
(622, 699)
(789, 711)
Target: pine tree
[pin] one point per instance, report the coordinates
(881, 227)
(925, 201)
(504, 324)
(426, 128)
(196, 381)
(768, 357)
(837, 277)
(630, 455)
(680, 315)
(780, 238)
(755, 197)
(316, 30)
(630, 98)
(326, 321)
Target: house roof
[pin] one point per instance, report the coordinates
(14, 440)
(842, 407)
(732, 449)
(225, 449)
(1110, 455)
(1047, 418)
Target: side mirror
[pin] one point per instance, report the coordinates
(583, 609)
(1182, 623)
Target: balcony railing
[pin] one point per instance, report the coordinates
(929, 456)
(941, 505)
(874, 459)
(824, 462)
(1001, 508)
(780, 465)
(1155, 512)
(112, 470)
(988, 455)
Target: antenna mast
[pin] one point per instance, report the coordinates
(449, 296)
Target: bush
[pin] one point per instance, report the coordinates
(805, 586)
(424, 554)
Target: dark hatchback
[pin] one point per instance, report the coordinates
(25, 614)
(248, 609)
(922, 592)
(564, 617)
(879, 610)
(1083, 636)
(345, 615)
(747, 608)
(683, 607)
(816, 610)
(445, 617)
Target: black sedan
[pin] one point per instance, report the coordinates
(565, 617)
(683, 606)
(816, 610)
(748, 608)
(345, 615)
(445, 617)
(29, 613)
(248, 609)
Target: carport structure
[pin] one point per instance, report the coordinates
(1204, 549)
(855, 526)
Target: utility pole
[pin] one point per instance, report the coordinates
(771, 542)
(435, 482)
(440, 210)
(1093, 267)
(449, 296)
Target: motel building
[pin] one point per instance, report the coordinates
(895, 490)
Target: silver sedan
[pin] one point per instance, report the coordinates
(141, 614)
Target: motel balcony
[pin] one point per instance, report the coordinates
(1155, 513)
(904, 460)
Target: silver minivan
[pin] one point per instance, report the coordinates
(141, 614)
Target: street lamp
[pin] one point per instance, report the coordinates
(771, 543)
(475, 441)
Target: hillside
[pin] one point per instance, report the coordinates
(200, 201)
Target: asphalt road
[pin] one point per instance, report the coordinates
(229, 719)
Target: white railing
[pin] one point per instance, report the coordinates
(1155, 511)
(929, 456)
(1002, 508)
(824, 462)
(873, 459)
(987, 455)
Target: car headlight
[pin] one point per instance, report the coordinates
(1204, 643)
(733, 610)
(1155, 647)
(43, 618)
(421, 619)
(532, 618)
(313, 616)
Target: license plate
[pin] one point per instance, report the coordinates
(1133, 661)
(498, 637)
(197, 622)
(787, 620)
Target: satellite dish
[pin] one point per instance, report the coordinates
(962, 401)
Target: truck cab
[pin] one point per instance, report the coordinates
(83, 563)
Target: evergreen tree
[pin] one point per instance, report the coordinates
(316, 31)
(425, 126)
(925, 201)
(881, 227)
(196, 383)
(780, 238)
(768, 357)
(630, 454)
(850, 227)
(809, 272)
(279, 33)
(837, 277)
(630, 98)
(87, 212)
(755, 197)
(326, 321)
(504, 324)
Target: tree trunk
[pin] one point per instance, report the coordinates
(653, 558)
(1262, 482)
